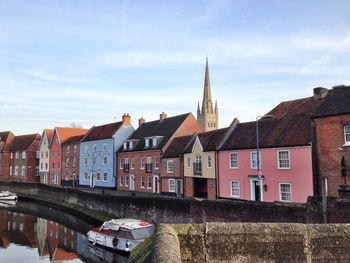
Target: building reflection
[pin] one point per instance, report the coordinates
(53, 241)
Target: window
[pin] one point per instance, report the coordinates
(46, 166)
(121, 164)
(41, 166)
(67, 161)
(67, 149)
(105, 147)
(23, 155)
(53, 165)
(74, 148)
(198, 165)
(10, 170)
(170, 166)
(98, 176)
(16, 170)
(74, 161)
(285, 192)
(188, 161)
(121, 180)
(142, 167)
(154, 142)
(283, 159)
(132, 164)
(142, 184)
(58, 153)
(130, 145)
(17, 155)
(85, 161)
(146, 143)
(93, 161)
(94, 148)
(23, 173)
(42, 154)
(11, 155)
(149, 164)
(171, 185)
(209, 161)
(47, 154)
(156, 163)
(105, 159)
(233, 160)
(235, 189)
(125, 145)
(149, 182)
(58, 165)
(253, 160)
(86, 148)
(126, 180)
(347, 134)
(66, 175)
(105, 176)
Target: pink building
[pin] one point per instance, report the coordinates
(285, 161)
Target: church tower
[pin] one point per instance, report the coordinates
(207, 116)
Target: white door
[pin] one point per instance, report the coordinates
(255, 190)
(156, 184)
(132, 182)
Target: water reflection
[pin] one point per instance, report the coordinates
(26, 235)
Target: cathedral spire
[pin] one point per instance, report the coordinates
(207, 103)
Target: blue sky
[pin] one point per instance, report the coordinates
(88, 62)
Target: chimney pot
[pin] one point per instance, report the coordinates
(163, 116)
(126, 119)
(141, 121)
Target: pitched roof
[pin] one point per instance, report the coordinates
(209, 140)
(73, 140)
(164, 128)
(304, 106)
(23, 142)
(177, 146)
(101, 132)
(49, 133)
(273, 132)
(4, 135)
(336, 101)
(65, 133)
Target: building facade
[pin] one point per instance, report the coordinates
(98, 159)
(207, 116)
(24, 159)
(139, 158)
(59, 136)
(284, 160)
(6, 139)
(44, 158)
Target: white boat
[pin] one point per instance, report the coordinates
(121, 234)
(6, 195)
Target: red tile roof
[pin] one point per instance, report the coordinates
(73, 140)
(303, 106)
(65, 133)
(23, 142)
(177, 146)
(102, 132)
(49, 133)
(209, 140)
(273, 132)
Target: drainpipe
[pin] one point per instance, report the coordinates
(217, 177)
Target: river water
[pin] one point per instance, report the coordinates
(30, 233)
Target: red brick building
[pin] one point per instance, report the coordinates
(172, 166)
(60, 135)
(24, 160)
(6, 138)
(329, 112)
(70, 157)
(139, 158)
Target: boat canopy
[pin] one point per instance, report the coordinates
(127, 223)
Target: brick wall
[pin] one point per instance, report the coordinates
(329, 150)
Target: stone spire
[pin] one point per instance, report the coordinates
(207, 116)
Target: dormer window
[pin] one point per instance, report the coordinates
(146, 142)
(154, 142)
(130, 145)
(125, 145)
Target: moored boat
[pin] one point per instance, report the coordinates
(6, 195)
(7, 203)
(121, 234)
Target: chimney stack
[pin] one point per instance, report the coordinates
(318, 92)
(126, 119)
(141, 121)
(163, 116)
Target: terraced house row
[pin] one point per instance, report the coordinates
(298, 149)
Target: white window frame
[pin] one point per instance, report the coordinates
(86, 148)
(156, 163)
(149, 180)
(239, 188)
(121, 180)
(94, 148)
(121, 164)
(209, 156)
(280, 192)
(23, 170)
(85, 161)
(346, 142)
(132, 163)
(251, 160)
(146, 142)
(154, 141)
(278, 159)
(24, 155)
(171, 185)
(142, 163)
(125, 145)
(86, 176)
(105, 146)
(105, 176)
(126, 180)
(10, 170)
(98, 176)
(16, 170)
(142, 182)
(188, 161)
(105, 160)
(17, 155)
(230, 160)
(168, 162)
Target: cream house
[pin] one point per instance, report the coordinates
(44, 155)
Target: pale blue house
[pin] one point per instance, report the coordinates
(97, 167)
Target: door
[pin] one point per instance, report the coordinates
(92, 183)
(255, 190)
(156, 184)
(178, 188)
(132, 182)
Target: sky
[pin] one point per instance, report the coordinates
(89, 62)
